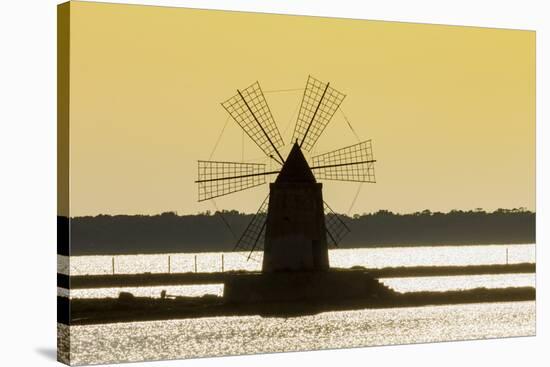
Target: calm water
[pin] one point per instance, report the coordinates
(343, 258)
(372, 258)
(215, 336)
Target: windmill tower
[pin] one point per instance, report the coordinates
(295, 237)
(294, 225)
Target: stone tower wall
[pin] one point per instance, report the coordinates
(295, 238)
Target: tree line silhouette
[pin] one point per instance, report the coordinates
(219, 231)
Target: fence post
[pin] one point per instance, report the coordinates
(113, 264)
(506, 255)
(169, 268)
(195, 263)
(222, 262)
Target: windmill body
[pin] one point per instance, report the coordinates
(295, 235)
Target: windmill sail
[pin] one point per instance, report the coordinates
(249, 109)
(336, 228)
(352, 163)
(319, 103)
(252, 239)
(221, 178)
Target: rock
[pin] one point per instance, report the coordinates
(125, 297)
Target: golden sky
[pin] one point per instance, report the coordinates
(450, 110)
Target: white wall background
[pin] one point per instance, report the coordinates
(28, 193)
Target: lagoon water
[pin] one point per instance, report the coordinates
(341, 258)
(344, 258)
(215, 336)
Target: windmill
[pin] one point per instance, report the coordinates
(294, 226)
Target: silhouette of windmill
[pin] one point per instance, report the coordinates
(293, 225)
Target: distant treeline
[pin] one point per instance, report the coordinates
(169, 232)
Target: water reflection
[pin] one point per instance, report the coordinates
(345, 258)
(215, 336)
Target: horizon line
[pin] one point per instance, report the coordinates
(213, 212)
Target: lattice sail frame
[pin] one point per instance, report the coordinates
(352, 163)
(221, 178)
(319, 103)
(253, 238)
(336, 228)
(250, 110)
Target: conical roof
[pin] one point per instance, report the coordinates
(295, 168)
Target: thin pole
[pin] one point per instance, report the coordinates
(257, 239)
(343, 164)
(314, 114)
(261, 127)
(113, 264)
(169, 267)
(222, 263)
(275, 159)
(506, 255)
(332, 238)
(241, 176)
(195, 263)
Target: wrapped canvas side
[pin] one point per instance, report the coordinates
(63, 233)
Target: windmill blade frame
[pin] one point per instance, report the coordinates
(252, 238)
(251, 112)
(217, 178)
(336, 228)
(352, 163)
(319, 103)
